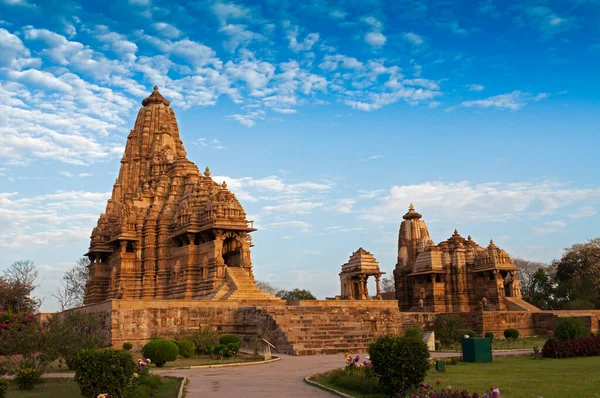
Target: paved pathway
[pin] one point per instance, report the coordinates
(284, 378)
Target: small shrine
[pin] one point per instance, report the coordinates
(355, 274)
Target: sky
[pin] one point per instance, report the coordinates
(325, 118)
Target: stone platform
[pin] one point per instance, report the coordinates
(304, 327)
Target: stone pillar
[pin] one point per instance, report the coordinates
(377, 277)
(361, 288)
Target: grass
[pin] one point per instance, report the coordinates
(196, 360)
(517, 377)
(67, 388)
(525, 343)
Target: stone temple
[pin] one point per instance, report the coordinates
(172, 253)
(169, 232)
(457, 275)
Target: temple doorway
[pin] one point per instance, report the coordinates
(232, 252)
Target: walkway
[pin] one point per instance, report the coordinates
(284, 378)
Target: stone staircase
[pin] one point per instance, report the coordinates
(240, 287)
(316, 330)
(517, 304)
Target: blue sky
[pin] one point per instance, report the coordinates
(326, 118)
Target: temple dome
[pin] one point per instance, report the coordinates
(155, 98)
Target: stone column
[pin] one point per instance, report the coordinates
(377, 277)
(361, 288)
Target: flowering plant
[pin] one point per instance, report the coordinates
(104, 396)
(427, 391)
(351, 362)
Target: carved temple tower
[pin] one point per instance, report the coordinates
(168, 231)
(457, 275)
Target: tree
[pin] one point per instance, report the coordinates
(17, 286)
(536, 283)
(71, 292)
(577, 276)
(296, 294)
(267, 287)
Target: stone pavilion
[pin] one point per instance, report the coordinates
(355, 274)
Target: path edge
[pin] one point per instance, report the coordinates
(333, 391)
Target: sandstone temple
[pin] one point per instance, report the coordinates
(457, 275)
(169, 232)
(172, 252)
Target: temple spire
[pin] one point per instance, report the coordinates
(412, 213)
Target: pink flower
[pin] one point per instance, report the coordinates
(496, 393)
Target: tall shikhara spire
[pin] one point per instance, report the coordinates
(168, 232)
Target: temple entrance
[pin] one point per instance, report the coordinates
(232, 252)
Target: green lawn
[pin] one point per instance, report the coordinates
(524, 343)
(196, 360)
(520, 377)
(67, 388)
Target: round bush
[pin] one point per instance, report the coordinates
(27, 378)
(569, 328)
(466, 332)
(511, 334)
(412, 333)
(232, 349)
(104, 371)
(160, 351)
(489, 335)
(400, 363)
(3, 386)
(230, 338)
(186, 348)
(127, 346)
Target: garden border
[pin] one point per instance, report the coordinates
(308, 380)
(182, 387)
(220, 365)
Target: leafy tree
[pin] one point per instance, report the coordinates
(296, 294)
(267, 287)
(577, 276)
(387, 285)
(71, 292)
(17, 286)
(540, 290)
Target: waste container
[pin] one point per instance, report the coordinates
(477, 350)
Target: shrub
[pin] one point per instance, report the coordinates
(203, 339)
(127, 346)
(219, 350)
(425, 390)
(230, 338)
(23, 342)
(104, 371)
(3, 387)
(69, 334)
(401, 364)
(511, 334)
(412, 333)
(360, 380)
(445, 328)
(489, 335)
(466, 332)
(232, 349)
(160, 351)
(583, 347)
(26, 378)
(186, 348)
(569, 328)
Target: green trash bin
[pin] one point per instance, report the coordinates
(477, 350)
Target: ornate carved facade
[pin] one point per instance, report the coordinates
(457, 275)
(168, 232)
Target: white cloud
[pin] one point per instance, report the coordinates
(476, 87)
(66, 174)
(375, 39)
(304, 226)
(167, 30)
(492, 201)
(304, 45)
(513, 101)
(414, 38)
(343, 206)
(544, 20)
(292, 207)
(583, 212)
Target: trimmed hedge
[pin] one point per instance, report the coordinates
(511, 334)
(569, 328)
(104, 371)
(466, 332)
(230, 338)
(489, 335)
(127, 346)
(584, 347)
(412, 333)
(160, 351)
(186, 348)
(401, 364)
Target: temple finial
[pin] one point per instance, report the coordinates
(155, 88)
(224, 185)
(411, 207)
(207, 172)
